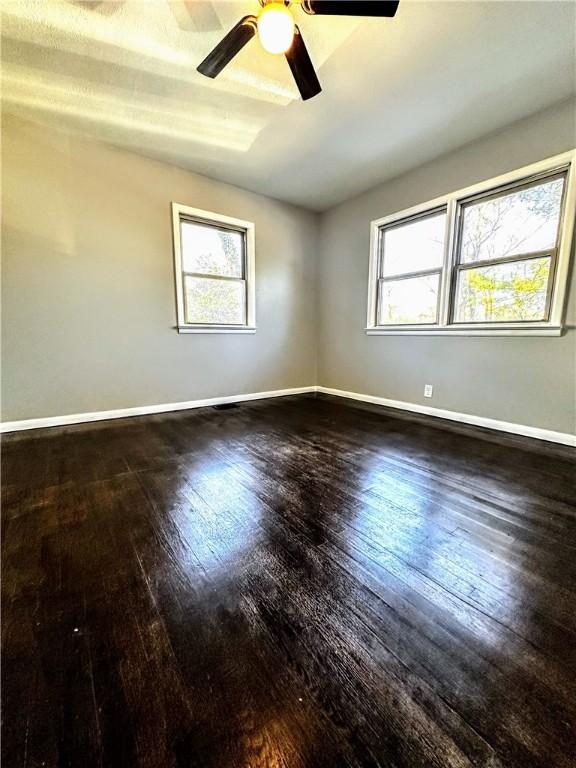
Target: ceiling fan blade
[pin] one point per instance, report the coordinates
(350, 7)
(228, 47)
(302, 67)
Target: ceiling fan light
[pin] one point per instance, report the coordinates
(275, 28)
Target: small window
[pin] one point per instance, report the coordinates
(214, 259)
(490, 259)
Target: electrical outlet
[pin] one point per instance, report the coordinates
(428, 390)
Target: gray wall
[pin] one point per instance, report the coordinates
(88, 283)
(529, 381)
(88, 289)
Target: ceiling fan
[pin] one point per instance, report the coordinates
(279, 33)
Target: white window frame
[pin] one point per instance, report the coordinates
(182, 213)
(552, 326)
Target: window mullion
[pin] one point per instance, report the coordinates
(410, 275)
(547, 254)
(446, 277)
(208, 276)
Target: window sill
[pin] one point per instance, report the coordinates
(216, 329)
(549, 330)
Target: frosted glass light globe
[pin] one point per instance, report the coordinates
(275, 28)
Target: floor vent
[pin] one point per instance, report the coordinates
(225, 406)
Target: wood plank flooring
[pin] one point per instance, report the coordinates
(296, 583)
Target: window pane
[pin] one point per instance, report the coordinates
(215, 301)
(519, 222)
(415, 246)
(504, 292)
(409, 300)
(212, 251)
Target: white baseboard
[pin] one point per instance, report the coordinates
(143, 410)
(465, 418)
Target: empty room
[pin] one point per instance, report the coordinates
(288, 384)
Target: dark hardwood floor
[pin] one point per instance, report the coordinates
(295, 583)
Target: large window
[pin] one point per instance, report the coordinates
(492, 259)
(214, 262)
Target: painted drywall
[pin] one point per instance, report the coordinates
(88, 289)
(88, 283)
(529, 381)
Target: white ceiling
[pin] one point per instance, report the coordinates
(397, 92)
